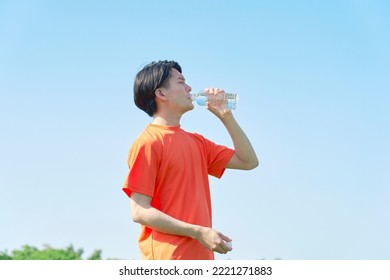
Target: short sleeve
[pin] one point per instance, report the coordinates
(217, 156)
(143, 164)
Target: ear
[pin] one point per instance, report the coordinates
(160, 94)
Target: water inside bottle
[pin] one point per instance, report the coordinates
(228, 100)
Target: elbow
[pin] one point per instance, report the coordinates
(136, 214)
(139, 205)
(255, 164)
(136, 218)
(252, 164)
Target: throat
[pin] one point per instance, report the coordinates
(166, 121)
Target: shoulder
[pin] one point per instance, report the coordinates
(196, 136)
(202, 139)
(148, 138)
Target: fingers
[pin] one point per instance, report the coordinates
(218, 103)
(225, 238)
(213, 90)
(223, 247)
(223, 244)
(215, 241)
(226, 247)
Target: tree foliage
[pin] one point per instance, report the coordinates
(48, 253)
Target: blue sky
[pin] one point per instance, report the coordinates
(313, 79)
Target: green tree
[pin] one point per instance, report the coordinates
(96, 255)
(5, 256)
(48, 253)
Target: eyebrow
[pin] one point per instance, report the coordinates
(181, 78)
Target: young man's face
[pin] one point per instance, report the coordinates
(178, 92)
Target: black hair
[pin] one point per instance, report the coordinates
(151, 77)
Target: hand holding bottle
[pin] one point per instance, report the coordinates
(216, 98)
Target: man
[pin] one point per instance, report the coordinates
(168, 169)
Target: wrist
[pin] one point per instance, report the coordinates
(226, 117)
(197, 232)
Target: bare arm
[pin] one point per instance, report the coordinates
(145, 214)
(244, 156)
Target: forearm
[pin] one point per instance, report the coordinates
(159, 221)
(244, 156)
(242, 146)
(146, 215)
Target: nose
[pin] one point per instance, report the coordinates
(189, 88)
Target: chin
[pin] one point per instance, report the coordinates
(189, 108)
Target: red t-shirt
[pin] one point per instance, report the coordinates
(172, 166)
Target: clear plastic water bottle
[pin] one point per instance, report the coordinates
(225, 100)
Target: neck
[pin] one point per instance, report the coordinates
(166, 120)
